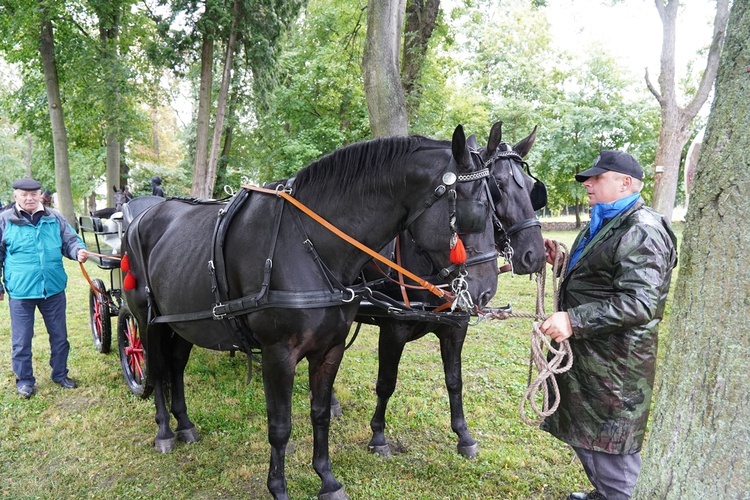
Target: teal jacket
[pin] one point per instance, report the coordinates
(615, 296)
(31, 256)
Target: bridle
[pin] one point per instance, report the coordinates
(538, 196)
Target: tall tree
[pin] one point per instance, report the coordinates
(697, 447)
(676, 120)
(421, 17)
(386, 102)
(57, 119)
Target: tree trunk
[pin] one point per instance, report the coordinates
(421, 16)
(698, 445)
(221, 107)
(380, 67)
(113, 167)
(57, 120)
(109, 15)
(201, 121)
(676, 120)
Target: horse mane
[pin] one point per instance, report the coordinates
(361, 167)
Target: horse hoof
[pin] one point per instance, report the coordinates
(339, 494)
(383, 450)
(188, 435)
(165, 445)
(336, 410)
(468, 451)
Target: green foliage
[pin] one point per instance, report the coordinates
(318, 102)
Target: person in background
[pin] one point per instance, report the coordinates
(33, 241)
(610, 304)
(127, 193)
(156, 189)
(47, 198)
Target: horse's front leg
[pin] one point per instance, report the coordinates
(180, 354)
(322, 374)
(451, 345)
(278, 367)
(390, 348)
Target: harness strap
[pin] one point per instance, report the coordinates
(372, 253)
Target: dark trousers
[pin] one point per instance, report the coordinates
(613, 476)
(22, 331)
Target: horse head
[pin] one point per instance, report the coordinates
(516, 196)
(463, 207)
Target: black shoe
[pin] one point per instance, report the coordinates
(67, 383)
(591, 495)
(26, 391)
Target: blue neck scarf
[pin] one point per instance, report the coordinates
(599, 213)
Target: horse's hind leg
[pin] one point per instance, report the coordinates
(179, 356)
(157, 343)
(322, 374)
(451, 345)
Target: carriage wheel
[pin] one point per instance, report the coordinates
(132, 354)
(101, 324)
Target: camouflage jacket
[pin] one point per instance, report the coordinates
(615, 295)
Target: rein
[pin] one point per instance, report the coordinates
(562, 356)
(88, 278)
(372, 253)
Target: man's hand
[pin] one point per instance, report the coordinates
(557, 326)
(550, 250)
(2, 296)
(83, 255)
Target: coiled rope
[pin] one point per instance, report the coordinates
(547, 359)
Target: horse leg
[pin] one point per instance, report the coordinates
(451, 345)
(179, 356)
(322, 373)
(157, 342)
(278, 367)
(390, 348)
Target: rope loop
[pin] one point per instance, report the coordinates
(546, 358)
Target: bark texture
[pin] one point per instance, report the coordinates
(380, 67)
(698, 447)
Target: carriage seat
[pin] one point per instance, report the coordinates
(134, 207)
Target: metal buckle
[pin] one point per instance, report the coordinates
(217, 315)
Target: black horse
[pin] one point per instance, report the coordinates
(518, 234)
(259, 273)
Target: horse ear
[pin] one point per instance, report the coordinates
(524, 146)
(114, 188)
(496, 136)
(458, 145)
(471, 141)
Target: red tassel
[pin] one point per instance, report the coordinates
(458, 252)
(125, 263)
(128, 283)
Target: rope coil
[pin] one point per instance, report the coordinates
(548, 360)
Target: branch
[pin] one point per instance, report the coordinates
(651, 87)
(712, 61)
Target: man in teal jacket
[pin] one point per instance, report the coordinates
(33, 241)
(611, 302)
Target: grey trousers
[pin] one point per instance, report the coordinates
(613, 476)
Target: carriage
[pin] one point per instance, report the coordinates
(102, 234)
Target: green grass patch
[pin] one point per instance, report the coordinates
(97, 440)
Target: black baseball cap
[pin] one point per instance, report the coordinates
(613, 161)
(27, 185)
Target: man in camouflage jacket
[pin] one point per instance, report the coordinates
(611, 302)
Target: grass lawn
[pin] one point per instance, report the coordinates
(97, 440)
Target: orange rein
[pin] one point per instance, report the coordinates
(372, 253)
(86, 274)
